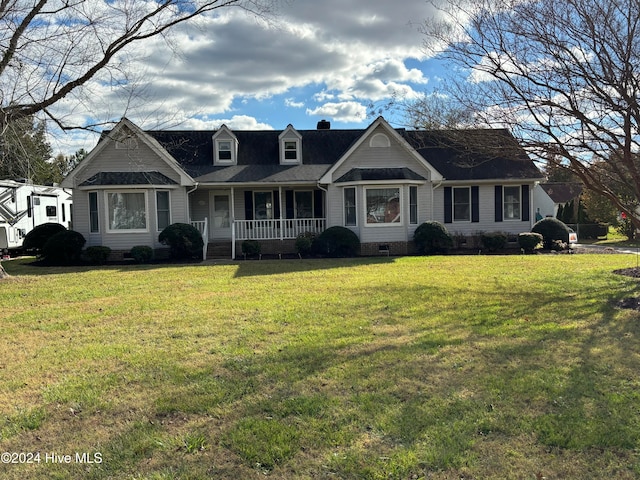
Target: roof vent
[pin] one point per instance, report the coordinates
(324, 125)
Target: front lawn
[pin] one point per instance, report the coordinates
(485, 367)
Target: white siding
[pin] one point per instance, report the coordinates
(487, 221)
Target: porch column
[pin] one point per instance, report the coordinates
(232, 215)
(282, 209)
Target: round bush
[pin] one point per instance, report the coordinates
(552, 231)
(142, 253)
(336, 242)
(36, 238)
(184, 241)
(251, 247)
(494, 241)
(432, 237)
(64, 248)
(97, 255)
(529, 241)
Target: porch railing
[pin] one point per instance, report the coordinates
(281, 229)
(203, 227)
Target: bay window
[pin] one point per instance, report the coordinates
(126, 211)
(383, 206)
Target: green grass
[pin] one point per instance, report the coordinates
(491, 367)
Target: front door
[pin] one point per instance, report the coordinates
(220, 202)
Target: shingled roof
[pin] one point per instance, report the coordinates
(127, 178)
(474, 154)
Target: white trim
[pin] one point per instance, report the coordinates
(227, 136)
(379, 140)
(290, 135)
(168, 192)
(453, 204)
(355, 205)
(504, 217)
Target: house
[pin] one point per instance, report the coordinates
(272, 186)
(549, 196)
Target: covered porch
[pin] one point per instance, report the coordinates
(257, 213)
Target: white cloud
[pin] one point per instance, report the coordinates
(341, 112)
(290, 102)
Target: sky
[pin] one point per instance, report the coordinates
(314, 60)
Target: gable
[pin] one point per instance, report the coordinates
(127, 154)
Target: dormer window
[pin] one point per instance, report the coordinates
(224, 151)
(290, 146)
(291, 151)
(225, 145)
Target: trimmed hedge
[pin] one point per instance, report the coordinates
(64, 248)
(336, 242)
(184, 241)
(304, 243)
(552, 231)
(36, 238)
(529, 241)
(141, 253)
(251, 247)
(97, 254)
(494, 241)
(432, 237)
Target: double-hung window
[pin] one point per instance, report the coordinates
(350, 207)
(461, 204)
(94, 223)
(511, 203)
(163, 209)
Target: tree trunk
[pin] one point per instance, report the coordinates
(3, 273)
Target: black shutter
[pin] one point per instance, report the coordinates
(525, 203)
(318, 204)
(498, 203)
(248, 205)
(276, 204)
(448, 205)
(475, 204)
(289, 207)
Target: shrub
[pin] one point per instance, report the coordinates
(251, 247)
(36, 238)
(97, 255)
(551, 230)
(64, 248)
(304, 243)
(432, 237)
(494, 241)
(529, 241)
(336, 242)
(142, 253)
(184, 241)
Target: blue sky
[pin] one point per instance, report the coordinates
(327, 59)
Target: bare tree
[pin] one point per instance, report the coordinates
(50, 49)
(561, 75)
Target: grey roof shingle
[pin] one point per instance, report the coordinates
(128, 178)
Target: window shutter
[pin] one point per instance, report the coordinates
(276, 204)
(448, 205)
(498, 203)
(525, 203)
(475, 204)
(248, 205)
(318, 204)
(289, 204)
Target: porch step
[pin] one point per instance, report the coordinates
(219, 250)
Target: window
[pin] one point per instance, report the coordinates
(224, 151)
(461, 204)
(511, 203)
(350, 207)
(93, 213)
(413, 205)
(263, 205)
(303, 204)
(291, 150)
(163, 210)
(51, 211)
(126, 211)
(383, 206)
